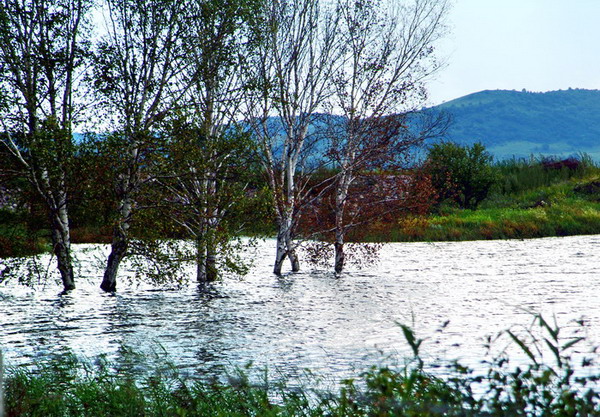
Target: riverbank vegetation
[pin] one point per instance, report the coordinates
(556, 379)
(526, 198)
(519, 198)
(203, 126)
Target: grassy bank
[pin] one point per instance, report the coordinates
(563, 216)
(528, 201)
(548, 386)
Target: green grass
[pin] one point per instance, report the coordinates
(517, 175)
(562, 218)
(528, 202)
(547, 384)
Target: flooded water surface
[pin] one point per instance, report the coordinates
(334, 325)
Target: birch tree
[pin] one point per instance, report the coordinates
(209, 155)
(294, 56)
(42, 57)
(137, 66)
(206, 185)
(388, 54)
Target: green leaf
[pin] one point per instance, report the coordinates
(572, 343)
(522, 345)
(553, 332)
(412, 341)
(554, 350)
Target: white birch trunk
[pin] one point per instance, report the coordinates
(285, 246)
(59, 225)
(61, 244)
(340, 205)
(200, 259)
(212, 222)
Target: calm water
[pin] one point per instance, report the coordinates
(335, 326)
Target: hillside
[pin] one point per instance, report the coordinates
(555, 123)
(524, 123)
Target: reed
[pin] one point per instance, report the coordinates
(523, 174)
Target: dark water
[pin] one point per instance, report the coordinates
(336, 326)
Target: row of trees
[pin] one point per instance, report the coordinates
(189, 96)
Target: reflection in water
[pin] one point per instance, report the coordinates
(334, 325)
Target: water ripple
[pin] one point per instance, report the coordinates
(331, 324)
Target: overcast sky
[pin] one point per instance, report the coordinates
(539, 45)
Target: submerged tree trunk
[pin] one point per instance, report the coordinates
(339, 253)
(291, 253)
(206, 261)
(61, 246)
(118, 247)
(341, 194)
(56, 200)
(200, 260)
(211, 263)
(206, 256)
(212, 223)
(285, 247)
(281, 253)
(118, 250)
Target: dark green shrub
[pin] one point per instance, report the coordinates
(463, 174)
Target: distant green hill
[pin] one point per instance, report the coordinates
(522, 123)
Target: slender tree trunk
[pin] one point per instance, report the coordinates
(285, 247)
(339, 244)
(61, 244)
(201, 191)
(206, 256)
(206, 262)
(285, 241)
(56, 200)
(212, 223)
(206, 269)
(119, 246)
(340, 206)
(206, 252)
(118, 250)
(120, 242)
(201, 259)
(339, 252)
(281, 251)
(280, 255)
(211, 263)
(291, 253)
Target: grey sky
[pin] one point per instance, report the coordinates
(538, 45)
